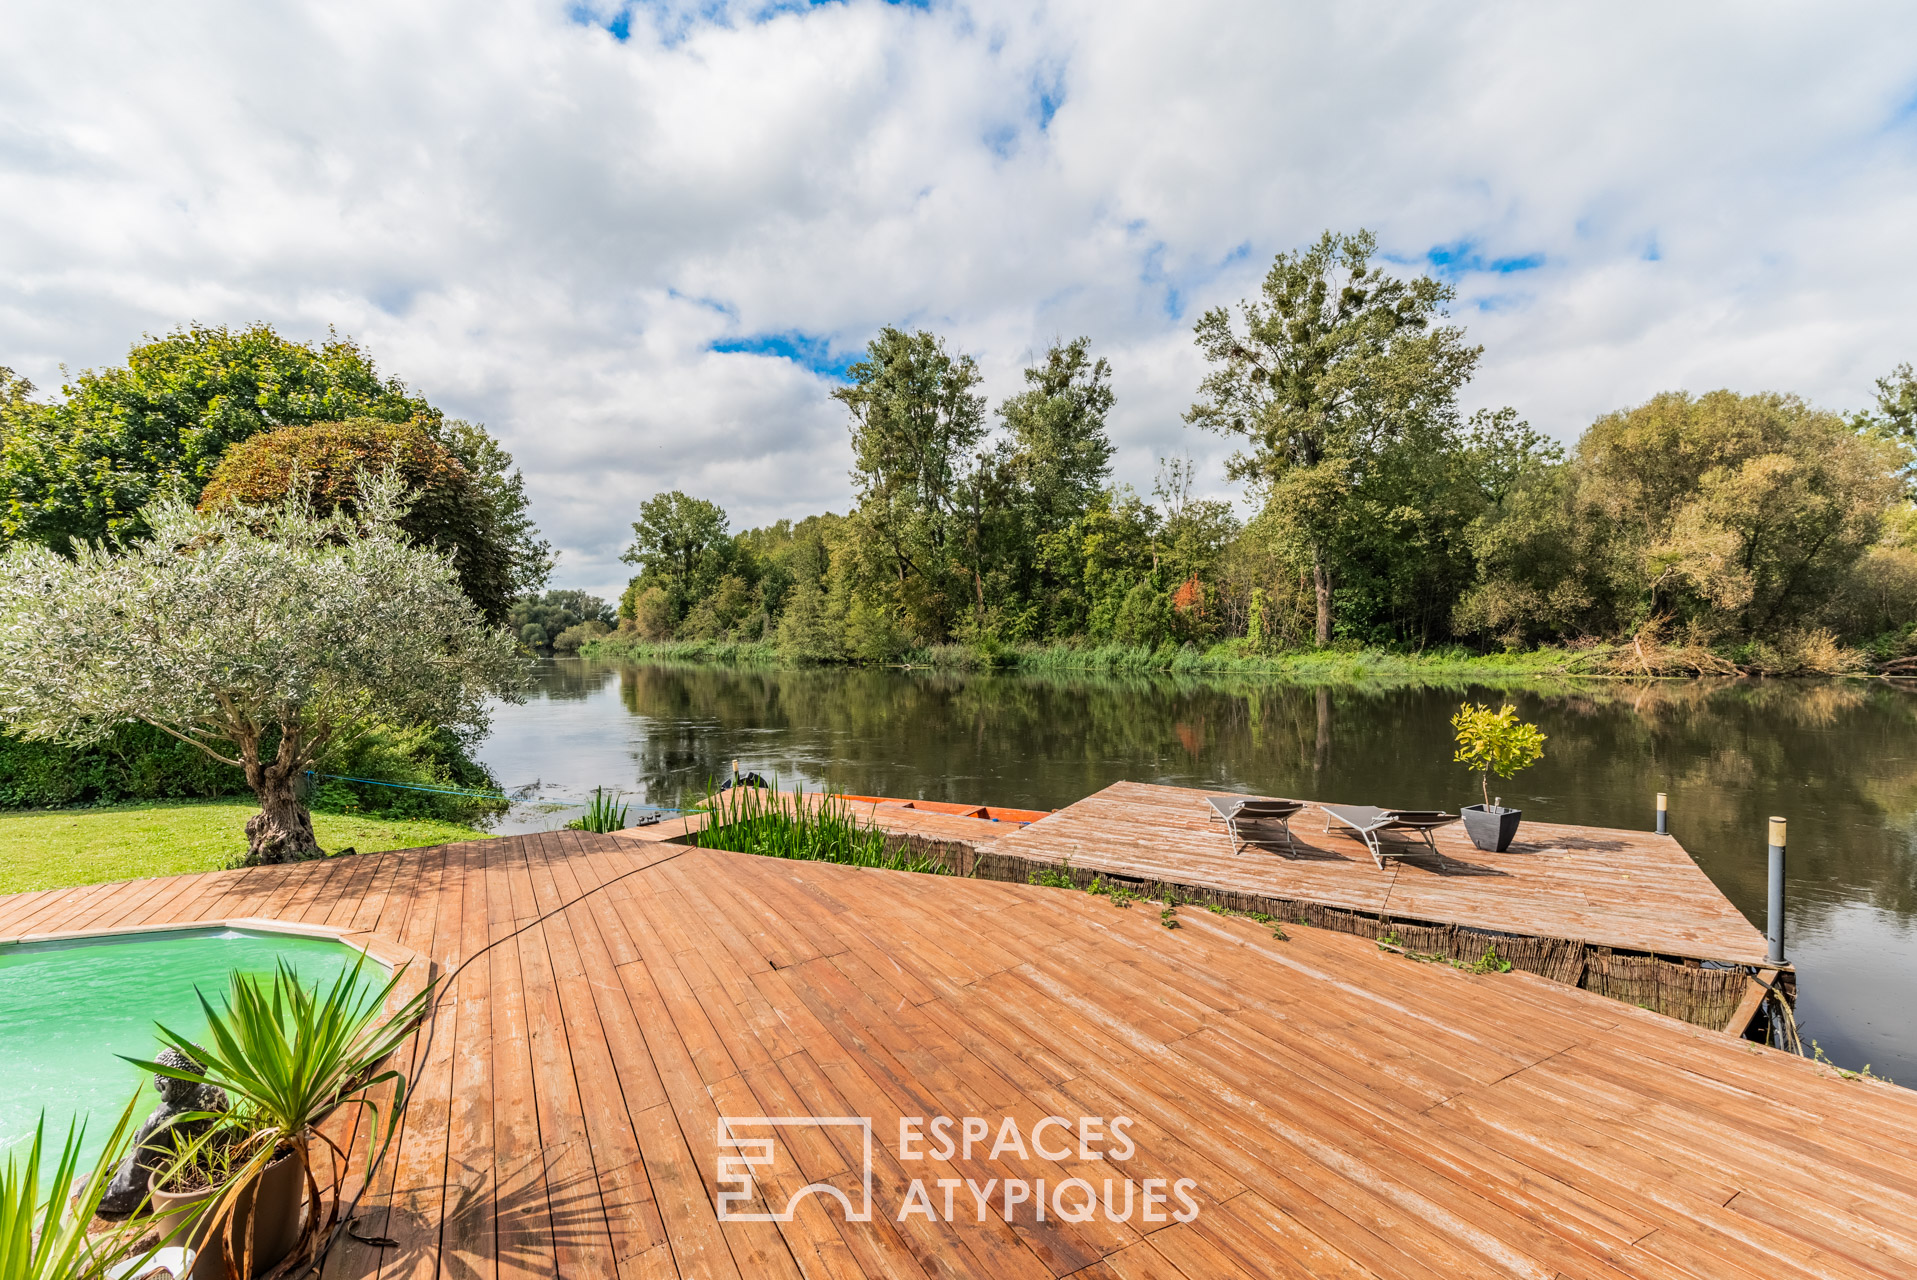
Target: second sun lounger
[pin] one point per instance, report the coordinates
(1368, 822)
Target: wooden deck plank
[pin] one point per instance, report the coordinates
(1342, 1111)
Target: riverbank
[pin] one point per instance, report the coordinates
(1230, 658)
(1642, 657)
(58, 848)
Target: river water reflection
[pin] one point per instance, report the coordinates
(1840, 760)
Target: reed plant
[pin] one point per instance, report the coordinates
(604, 814)
(824, 828)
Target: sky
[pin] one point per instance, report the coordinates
(641, 242)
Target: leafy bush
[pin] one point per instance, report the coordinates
(135, 762)
(570, 640)
(422, 756)
(139, 762)
(540, 620)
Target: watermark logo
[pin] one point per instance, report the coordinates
(1090, 1149)
(756, 1148)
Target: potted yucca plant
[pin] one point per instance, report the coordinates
(1494, 742)
(52, 1238)
(288, 1058)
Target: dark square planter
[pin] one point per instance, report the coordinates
(1490, 829)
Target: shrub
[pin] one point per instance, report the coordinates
(447, 510)
(135, 762)
(569, 640)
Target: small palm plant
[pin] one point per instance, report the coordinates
(289, 1057)
(1495, 742)
(47, 1239)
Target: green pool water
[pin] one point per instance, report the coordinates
(66, 1008)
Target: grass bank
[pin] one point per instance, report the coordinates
(1644, 656)
(1230, 658)
(55, 848)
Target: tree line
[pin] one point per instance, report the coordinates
(1383, 515)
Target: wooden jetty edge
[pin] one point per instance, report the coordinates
(1627, 914)
(1327, 1108)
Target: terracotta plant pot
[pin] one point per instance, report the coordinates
(1490, 828)
(169, 1210)
(278, 1197)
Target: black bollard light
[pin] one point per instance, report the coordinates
(1663, 826)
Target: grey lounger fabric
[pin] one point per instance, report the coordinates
(1241, 809)
(1368, 822)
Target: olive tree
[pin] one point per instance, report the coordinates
(260, 635)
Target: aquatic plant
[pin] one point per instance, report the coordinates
(604, 814)
(825, 828)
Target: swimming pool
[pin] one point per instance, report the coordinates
(68, 1006)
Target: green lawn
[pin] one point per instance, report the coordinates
(49, 848)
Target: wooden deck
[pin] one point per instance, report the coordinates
(1341, 1111)
(1628, 889)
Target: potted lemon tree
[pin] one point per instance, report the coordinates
(1494, 742)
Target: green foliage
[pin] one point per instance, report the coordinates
(1495, 742)
(1724, 516)
(682, 549)
(1057, 447)
(133, 762)
(424, 756)
(603, 814)
(777, 824)
(541, 620)
(123, 436)
(289, 1057)
(49, 1238)
(445, 507)
(1343, 384)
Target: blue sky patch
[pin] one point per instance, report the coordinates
(1462, 257)
(807, 350)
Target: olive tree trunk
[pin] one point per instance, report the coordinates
(282, 831)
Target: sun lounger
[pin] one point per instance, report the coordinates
(1368, 823)
(1242, 809)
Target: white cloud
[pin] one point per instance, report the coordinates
(547, 228)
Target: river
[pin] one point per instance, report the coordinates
(1838, 759)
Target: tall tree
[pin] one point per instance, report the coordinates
(1060, 453)
(916, 420)
(679, 543)
(1338, 365)
(331, 459)
(85, 467)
